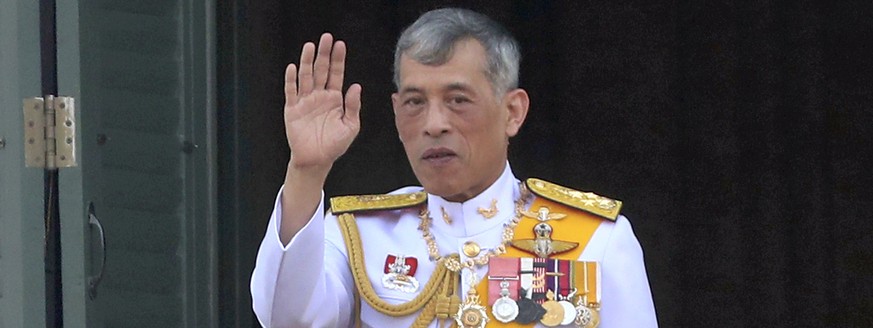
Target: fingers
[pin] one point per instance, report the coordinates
(337, 66)
(291, 84)
(307, 55)
(353, 104)
(322, 70)
(323, 60)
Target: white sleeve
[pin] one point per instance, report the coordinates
(306, 283)
(626, 299)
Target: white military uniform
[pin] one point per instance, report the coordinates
(308, 283)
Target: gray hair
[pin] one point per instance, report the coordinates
(431, 39)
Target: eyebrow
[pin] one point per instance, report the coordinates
(451, 87)
(410, 89)
(458, 86)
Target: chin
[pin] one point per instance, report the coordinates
(442, 182)
(438, 187)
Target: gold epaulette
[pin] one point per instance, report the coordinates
(345, 204)
(586, 201)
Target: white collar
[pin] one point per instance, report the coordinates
(465, 217)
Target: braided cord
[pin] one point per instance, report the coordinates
(436, 299)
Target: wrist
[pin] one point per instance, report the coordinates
(309, 175)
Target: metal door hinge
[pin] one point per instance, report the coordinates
(49, 132)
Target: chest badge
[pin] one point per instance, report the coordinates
(543, 245)
(399, 273)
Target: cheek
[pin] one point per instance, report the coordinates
(480, 129)
(485, 141)
(405, 128)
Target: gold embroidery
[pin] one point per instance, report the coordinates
(586, 201)
(489, 212)
(446, 218)
(345, 204)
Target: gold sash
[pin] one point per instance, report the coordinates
(578, 227)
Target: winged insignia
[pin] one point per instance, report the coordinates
(543, 245)
(543, 214)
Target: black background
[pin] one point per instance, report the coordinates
(736, 132)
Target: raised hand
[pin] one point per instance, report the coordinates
(320, 123)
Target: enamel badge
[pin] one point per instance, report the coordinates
(399, 273)
(543, 245)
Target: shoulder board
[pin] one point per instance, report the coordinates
(586, 201)
(345, 204)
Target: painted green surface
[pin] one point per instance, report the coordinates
(22, 289)
(141, 73)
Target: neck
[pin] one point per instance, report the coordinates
(477, 189)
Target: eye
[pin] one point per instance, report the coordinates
(459, 100)
(413, 104)
(413, 101)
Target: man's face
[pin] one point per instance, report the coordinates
(453, 128)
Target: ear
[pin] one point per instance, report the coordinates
(395, 102)
(516, 102)
(395, 105)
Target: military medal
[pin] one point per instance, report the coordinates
(570, 313)
(399, 271)
(471, 314)
(543, 245)
(561, 280)
(554, 311)
(504, 309)
(587, 315)
(503, 279)
(528, 310)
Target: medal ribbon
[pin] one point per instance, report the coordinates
(578, 227)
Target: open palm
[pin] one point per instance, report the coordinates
(320, 123)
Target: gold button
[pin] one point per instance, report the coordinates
(471, 249)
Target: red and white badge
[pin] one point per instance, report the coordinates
(503, 269)
(399, 273)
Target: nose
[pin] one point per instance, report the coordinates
(437, 121)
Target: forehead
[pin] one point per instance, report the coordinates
(466, 65)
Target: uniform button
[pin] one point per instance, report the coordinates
(471, 249)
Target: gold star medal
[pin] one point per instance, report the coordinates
(471, 314)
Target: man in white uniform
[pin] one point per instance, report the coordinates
(473, 247)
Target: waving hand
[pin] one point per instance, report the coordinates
(320, 123)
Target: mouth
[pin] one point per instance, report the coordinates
(439, 155)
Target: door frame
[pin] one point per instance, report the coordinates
(198, 62)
